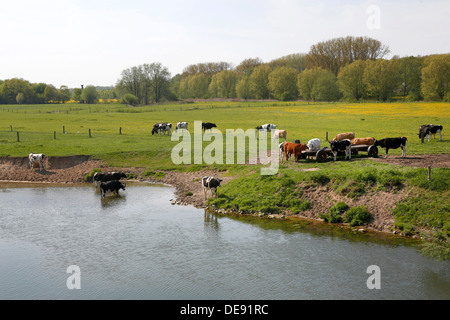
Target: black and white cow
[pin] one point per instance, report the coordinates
(208, 126)
(162, 128)
(341, 146)
(268, 127)
(281, 149)
(104, 177)
(427, 130)
(181, 126)
(392, 143)
(111, 186)
(37, 158)
(210, 183)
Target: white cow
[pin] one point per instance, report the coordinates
(313, 144)
(182, 126)
(39, 158)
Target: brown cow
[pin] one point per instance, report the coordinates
(298, 150)
(365, 141)
(294, 148)
(342, 136)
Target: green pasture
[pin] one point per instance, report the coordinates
(40, 127)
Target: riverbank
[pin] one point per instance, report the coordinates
(188, 189)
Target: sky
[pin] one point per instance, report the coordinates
(78, 42)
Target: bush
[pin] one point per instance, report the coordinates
(130, 99)
(357, 216)
(335, 213)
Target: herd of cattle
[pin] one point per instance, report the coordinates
(341, 143)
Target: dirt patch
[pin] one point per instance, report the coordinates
(421, 161)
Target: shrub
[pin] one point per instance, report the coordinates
(130, 99)
(357, 216)
(335, 213)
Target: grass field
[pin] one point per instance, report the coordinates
(40, 127)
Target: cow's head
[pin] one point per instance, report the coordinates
(122, 185)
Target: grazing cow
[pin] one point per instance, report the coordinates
(208, 126)
(279, 134)
(104, 177)
(210, 183)
(162, 128)
(298, 148)
(427, 130)
(181, 126)
(363, 141)
(268, 127)
(392, 143)
(39, 158)
(344, 136)
(111, 186)
(341, 146)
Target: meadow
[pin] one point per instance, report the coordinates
(40, 127)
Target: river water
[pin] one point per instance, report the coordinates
(139, 246)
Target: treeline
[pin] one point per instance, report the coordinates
(350, 68)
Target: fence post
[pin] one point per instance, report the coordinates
(120, 130)
(11, 127)
(90, 133)
(327, 136)
(54, 135)
(18, 139)
(64, 130)
(429, 173)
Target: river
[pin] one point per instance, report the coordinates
(139, 246)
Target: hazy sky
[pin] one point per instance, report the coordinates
(75, 42)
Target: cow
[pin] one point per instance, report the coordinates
(314, 144)
(210, 183)
(268, 127)
(281, 148)
(344, 136)
(427, 130)
(341, 146)
(111, 186)
(392, 143)
(39, 158)
(181, 126)
(279, 134)
(208, 126)
(104, 177)
(162, 128)
(363, 141)
(295, 149)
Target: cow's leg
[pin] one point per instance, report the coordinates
(31, 165)
(387, 150)
(204, 192)
(348, 152)
(404, 151)
(440, 135)
(334, 155)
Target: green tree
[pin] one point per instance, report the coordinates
(20, 98)
(325, 87)
(410, 73)
(50, 94)
(283, 83)
(351, 80)
(436, 77)
(76, 95)
(243, 88)
(259, 82)
(129, 99)
(382, 78)
(89, 94)
(64, 94)
(157, 79)
(197, 86)
(223, 85)
(306, 80)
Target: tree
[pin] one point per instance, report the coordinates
(351, 80)
(381, 78)
(336, 53)
(20, 98)
(64, 94)
(325, 87)
(243, 88)
(50, 94)
(76, 95)
(89, 94)
(157, 79)
(283, 83)
(306, 80)
(247, 66)
(295, 60)
(129, 99)
(436, 77)
(410, 74)
(223, 85)
(259, 82)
